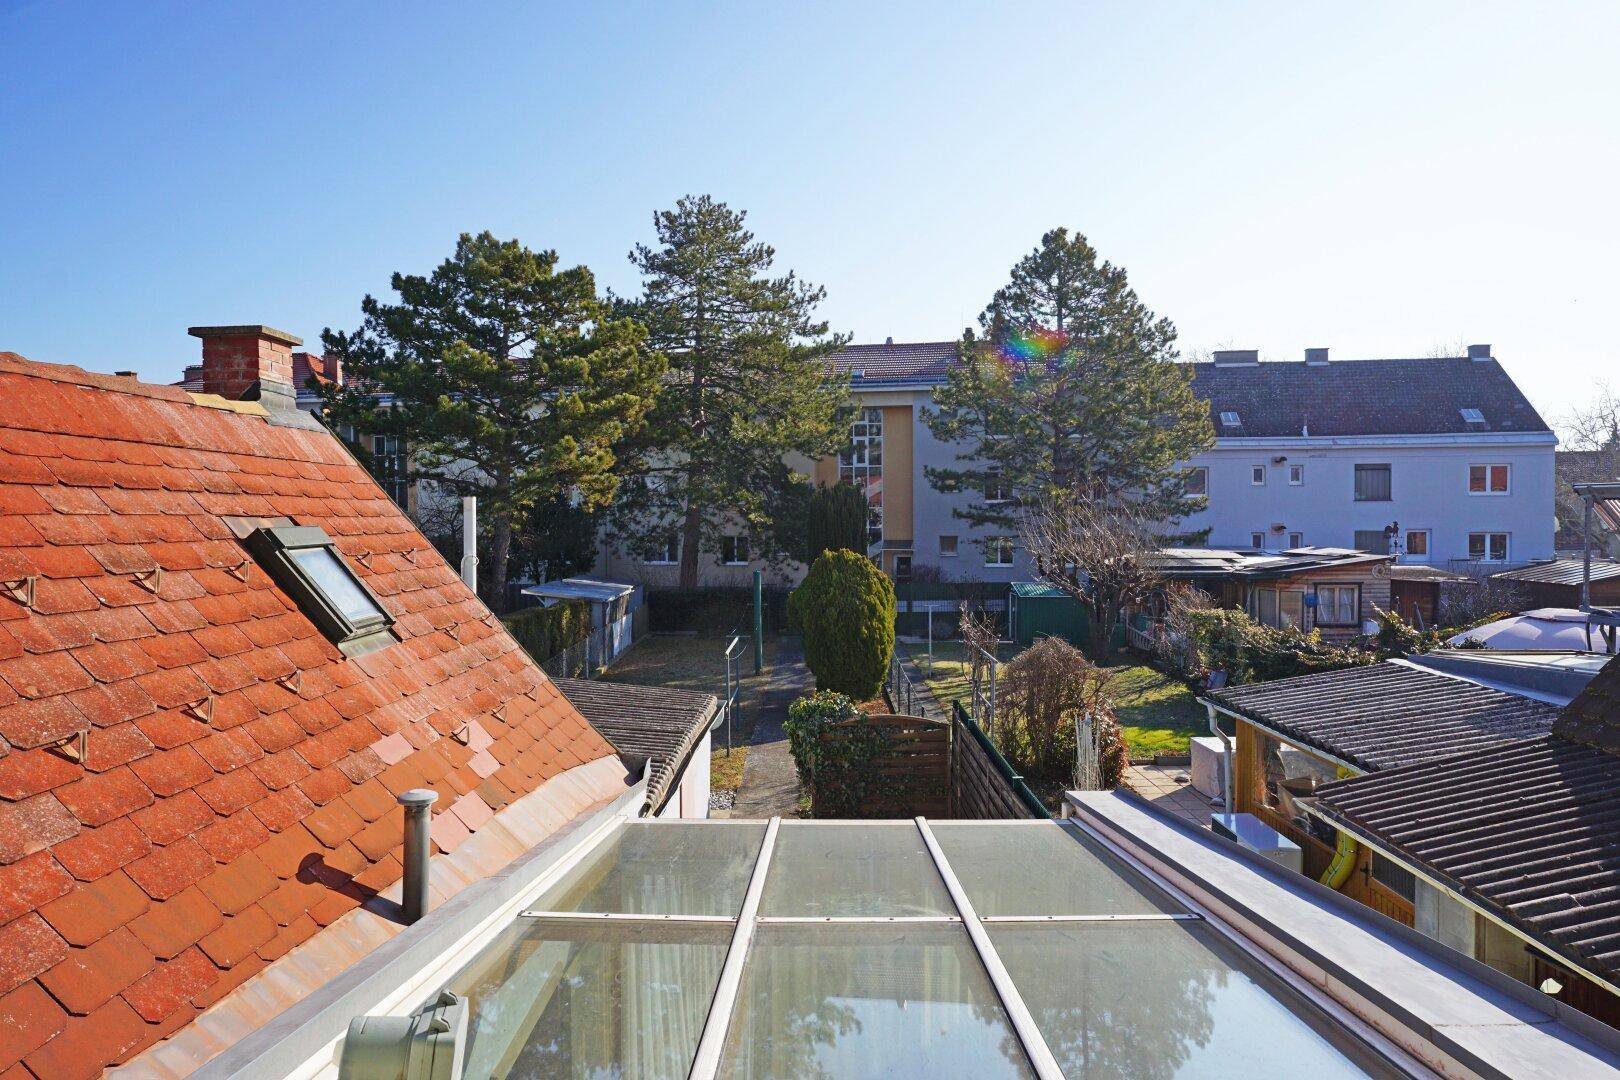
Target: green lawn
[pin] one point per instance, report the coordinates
(696, 662)
(1157, 712)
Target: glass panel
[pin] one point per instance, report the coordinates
(591, 1000)
(339, 585)
(1158, 1000)
(853, 868)
(1042, 869)
(868, 1000)
(695, 869)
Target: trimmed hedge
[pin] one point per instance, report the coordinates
(714, 609)
(546, 631)
(845, 607)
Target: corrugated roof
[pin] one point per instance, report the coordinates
(1530, 831)
(1036, 590)
(1214, 562)
(660, 724)
(1388, 715)
(1562, 572)
(237, 793)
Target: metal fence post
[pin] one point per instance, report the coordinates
(759, 621)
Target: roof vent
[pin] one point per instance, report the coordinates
(1472, 416)
(1231, 419)
(1479, 352)
(125, 374)
(888, 341)
(1237, 357)
(1316, 357)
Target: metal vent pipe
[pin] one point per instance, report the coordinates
(414, 898)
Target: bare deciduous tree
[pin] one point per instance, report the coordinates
(1467, 603)
(1104, 555)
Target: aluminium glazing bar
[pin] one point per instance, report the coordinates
(1040, 1055)
(706, 1063)
(620, 916)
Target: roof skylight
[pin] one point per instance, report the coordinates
(1230, 419)
(1472, 416)
(904, 948)
(307, 566)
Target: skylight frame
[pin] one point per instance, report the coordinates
(276, 547)
(1231, 419)
(1305, 1002)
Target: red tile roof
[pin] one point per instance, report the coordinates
(237, 792)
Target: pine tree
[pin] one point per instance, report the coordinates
(510, 380)
(1071, 391)
(747, 386)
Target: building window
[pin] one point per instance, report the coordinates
(998, 551)
(666, 554)
(902, 568)
(1417, 545)
(1257, 541)
(1296, 540)
(305, 562)
(1198, 480)
(996, 489)
(1372, 541)
(734, 550)
(1488, 546)
(1488, 479)
(1257, 475)
(1372, 483)
(1296, 475)
(1338, 605)
(391, 466)
(861, 463)
(947, 546)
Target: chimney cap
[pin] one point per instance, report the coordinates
(1237, 357)
(250, 330)
(1316, 356)
(1479, 352)
(889, 340)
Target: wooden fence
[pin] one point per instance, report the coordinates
(982, 783)
(913, 777)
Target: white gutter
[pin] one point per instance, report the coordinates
(1323, 442)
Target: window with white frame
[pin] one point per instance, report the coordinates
(1257, 475)
(1488, 546)
(665, 550)
(861, 463)
(1338, 605)
(1231, 419)
(996, 489)
(947, 545)
(390, 464)
(1417, 545)
(998, 551)
(1198, 480)
(734, 550)
(1296, 475)
(1488, 479)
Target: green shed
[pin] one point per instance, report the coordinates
(1035, 610)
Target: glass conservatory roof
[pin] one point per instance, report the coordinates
(883, 948)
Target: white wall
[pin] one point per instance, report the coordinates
(1428, 486)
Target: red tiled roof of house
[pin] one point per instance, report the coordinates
(237, 791)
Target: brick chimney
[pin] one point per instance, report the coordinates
(248, 362)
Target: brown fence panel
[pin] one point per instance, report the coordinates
(915, 771)
(982, 784)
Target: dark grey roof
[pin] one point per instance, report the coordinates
(923, 361)
(1388, 715)
(1529, 831)
(1283, 399)
(655, 723)
(1561, 572)
(1364, 397)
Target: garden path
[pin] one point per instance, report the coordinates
(770, 782)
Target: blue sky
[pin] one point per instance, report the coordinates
(1379, 179)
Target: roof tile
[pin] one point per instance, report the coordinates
(170, 819)
(88, 977)
(171, 986)
(240, 884)
(28, 946)
(169, 870)
(29, 772)
(33, 824)
(173, 771)
(30, 883)
(240, 936)
(89, 1043)
(29, 1018)
(174, 925)
(92, 911)
(98, 799)
(27, 724)
(95, 853)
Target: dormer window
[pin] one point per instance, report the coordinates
(1472, 416)
(1230, 419)
(307, 566)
